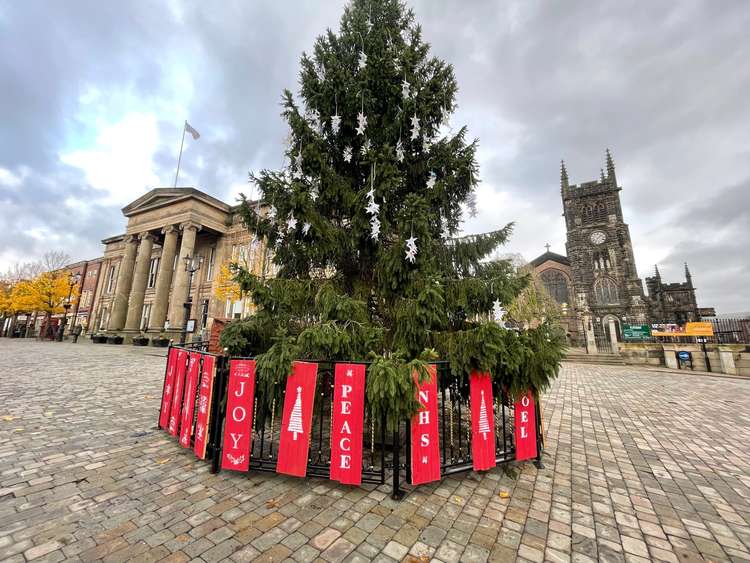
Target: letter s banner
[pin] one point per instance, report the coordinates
(238, 425)
(425, 450)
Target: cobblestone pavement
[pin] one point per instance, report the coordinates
(639, 466)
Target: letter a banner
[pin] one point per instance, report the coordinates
(174, 417)
(166, 396)
(425, 450)
(347, 422)
(525, 423)
(238, 428)
(188, 408)
(482, 421)
(296, 421)
(205, 397)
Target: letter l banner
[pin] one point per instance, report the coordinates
(425, 450)
(238, 428)
(482, 421)
(296, 421)
(166, 396)
(348, 421)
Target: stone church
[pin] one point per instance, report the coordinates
(596, 283)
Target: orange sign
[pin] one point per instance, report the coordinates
(690, 329)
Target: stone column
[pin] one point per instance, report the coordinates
(164, 278)
(122, 289)
(180, 287)
(613, 336)
(140, 279)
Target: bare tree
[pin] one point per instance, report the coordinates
(53, 260)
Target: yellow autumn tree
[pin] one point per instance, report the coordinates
(46, 293)
(226, 287)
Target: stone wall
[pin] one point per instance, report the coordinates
(731, 359)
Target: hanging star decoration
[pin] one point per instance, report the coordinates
(431, 180)
(297, 173)
(291, 223)
(499, 312)
(411, 249)
(335, 123)
(362, 63)
(347, 154)
(400, 151)
(361, 123)
(405, 89)
(396, 64)
(314, 192)
(373, 208)
(426, 144)
(445, 117)
(365, 147)
(305, 228)
(414, 127)
(320, 71)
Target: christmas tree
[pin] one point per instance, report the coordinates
(484, 426)
(363, 226)
(295, 418)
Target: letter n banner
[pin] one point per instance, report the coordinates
(296, 422)
(425, 450)
(482, 421)
(179, 382)
(188, 408)
(347, 422)
(166, 396)
(238, 428)
(525, 422)
(205, 398)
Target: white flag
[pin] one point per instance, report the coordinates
(192, 131)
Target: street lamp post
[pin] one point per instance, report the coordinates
(74, 279)
(192, 265)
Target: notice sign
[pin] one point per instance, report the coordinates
(636, 332)
(166, 397)
(425, 450)
(238, 428)
(482, 421)
(525, 423)
(347, 423)
(296, 421)
(205, 397)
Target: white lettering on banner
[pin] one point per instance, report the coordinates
(241, 391)
(345, 427)
(523, 432)
(424, 417)
(347, 448)
(425, 440)
(346, 407)
(236, 438)
(345, 461)
(525, 400)
(525, 416)
(238, 418)
(424, 398)
(345, 390)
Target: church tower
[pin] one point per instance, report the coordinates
(600, 251)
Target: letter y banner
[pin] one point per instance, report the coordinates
(238, 425)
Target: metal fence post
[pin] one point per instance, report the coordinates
(164, 387)
(539, 435)
(219, 407)
(397, 493)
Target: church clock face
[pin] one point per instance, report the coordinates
(598, 237)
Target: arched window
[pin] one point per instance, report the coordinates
(605, 291)
(556, 285)
(588, 213)
(600, 214)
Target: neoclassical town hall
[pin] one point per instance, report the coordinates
(597, 284)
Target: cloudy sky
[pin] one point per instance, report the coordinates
(95, 93)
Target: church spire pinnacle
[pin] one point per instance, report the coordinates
(657, 275)
(688, 276)
(602, 178)
(563, 176)
(611, 168)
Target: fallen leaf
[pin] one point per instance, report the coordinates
(272, 503)
(48, 413)
(504, 494)
(458, 500)
(8, 418)
(18, 430)
(163, 461)
(148, 397)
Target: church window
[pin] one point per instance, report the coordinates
(605, 291)
(601, 261)
(588, 214)
(556, 285)
(600, 213)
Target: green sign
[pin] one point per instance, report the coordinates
(636, 332)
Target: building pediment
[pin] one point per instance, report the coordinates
(161, 197)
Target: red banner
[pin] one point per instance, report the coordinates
(347, 423)
(425, 450)
(166, 396)
(525, 423)
(238, 428)
(205, 396)
(296, 421)
(482, 421)
(188, 406)
(174, 416)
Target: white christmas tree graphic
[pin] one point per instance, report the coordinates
(295, 419)
(484, 427)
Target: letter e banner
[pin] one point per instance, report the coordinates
(425, 450)
(296, 421)
(188, 408)
(205, 397)
(238, 428)
(482, 421)
(525, 422)
(179, 382)
(348, 420)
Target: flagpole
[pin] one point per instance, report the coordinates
(179, 159)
